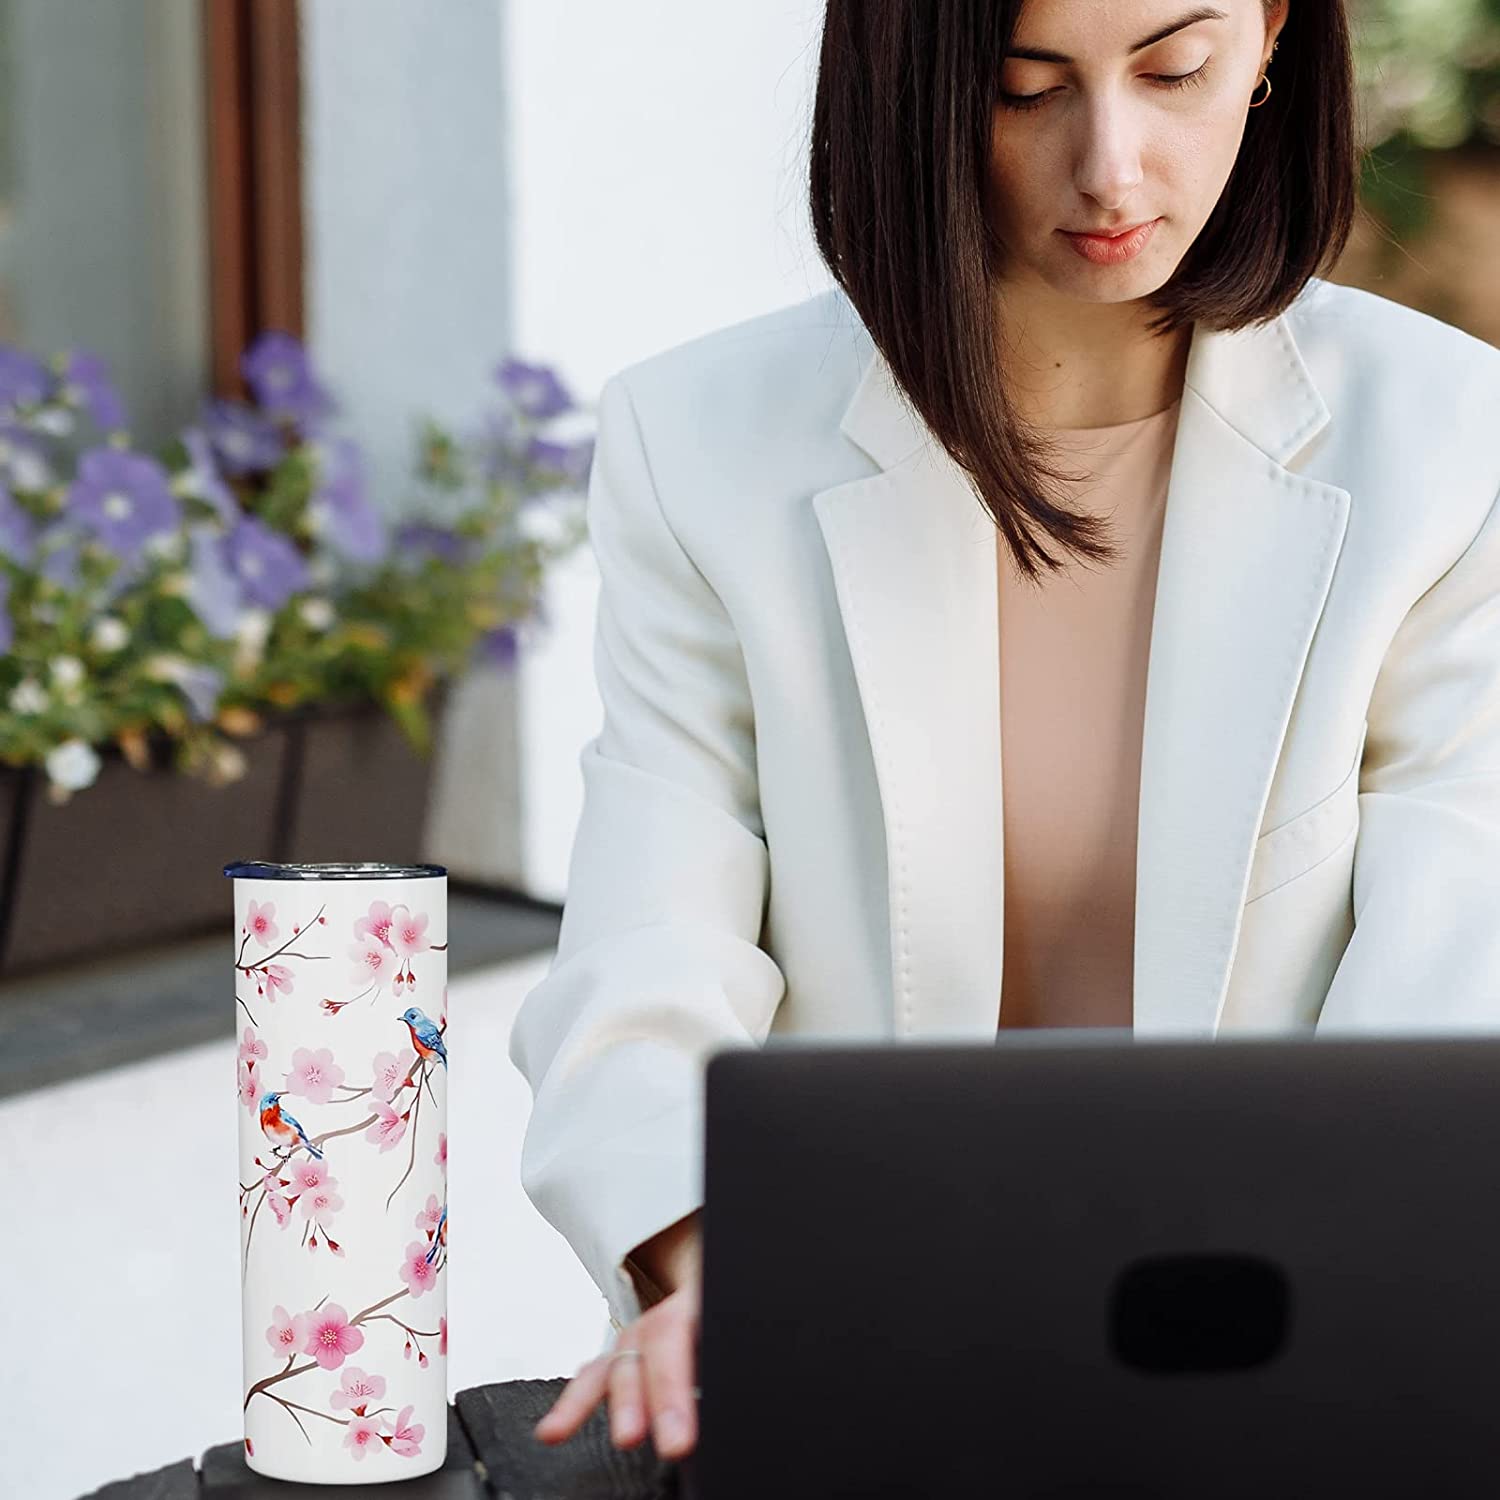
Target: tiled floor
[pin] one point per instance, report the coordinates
(119, 1258)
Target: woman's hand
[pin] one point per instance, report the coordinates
(652, 1392)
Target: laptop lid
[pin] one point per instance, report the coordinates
(1076, 1263)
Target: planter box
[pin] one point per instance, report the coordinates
(137, 858)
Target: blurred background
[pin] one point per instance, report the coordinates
(326, 290)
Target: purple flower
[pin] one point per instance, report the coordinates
(213, 589)
(534, 389)
(203, 478)
(243, 439)
(570, 462)
(7, 625)
(200, 685)
(23, 378)
(498, 647)
(123, 498)
(501, 448)
(268, 566)
(281, 376)
(17, 529)
(86, 382)
(417, 539)
(344, 512)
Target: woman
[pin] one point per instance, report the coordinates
(1279, 495)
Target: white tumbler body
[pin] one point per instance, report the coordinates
(340, 986)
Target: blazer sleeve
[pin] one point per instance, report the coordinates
(658, 962)
(1425, 952)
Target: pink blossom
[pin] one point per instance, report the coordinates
(440, 1156)
(307, 1175)
(280, 1207)
(330, 1336)
(400, 983)
(363, 1434)
(249, 1088)
(260, 920)
(408, 1440)
(388, 1128)
(442, 1335)
(391, 1069)
(429, 1217)
(376, 924)
(321, 1205)
(370, 963)
(278, 977)
(409, 933)
(357, 1389)
(252, 1047)
(314, 1075)
(287, 1334)
(415, 1271)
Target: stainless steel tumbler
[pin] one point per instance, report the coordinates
(340, 992)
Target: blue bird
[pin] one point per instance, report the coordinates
(281, 1128)
(439, 1235)
(425, 1036)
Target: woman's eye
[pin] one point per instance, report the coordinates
(1162, 80)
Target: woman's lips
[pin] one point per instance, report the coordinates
(1106, 250)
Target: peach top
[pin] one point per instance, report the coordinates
(1073, 655)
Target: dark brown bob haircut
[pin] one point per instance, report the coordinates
(898, 171)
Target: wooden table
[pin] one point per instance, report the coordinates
(492, 1455)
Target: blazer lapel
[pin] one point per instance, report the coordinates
(1248, 553)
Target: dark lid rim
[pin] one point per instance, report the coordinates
(269, 869)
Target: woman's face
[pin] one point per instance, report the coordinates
(1112, 142)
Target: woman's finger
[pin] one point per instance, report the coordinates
(579, 1397)
(669, 1376)
(627, 1397)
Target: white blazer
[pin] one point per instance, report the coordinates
(792, 810)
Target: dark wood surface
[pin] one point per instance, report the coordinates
(492, 1455)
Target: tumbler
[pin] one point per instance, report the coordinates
(340, 993)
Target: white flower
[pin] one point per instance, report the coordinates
(67, 672)
(166, 544)
(229, 763)
(54, 419)
(253, 628)
(110, 633)
(317, 614)
(166, 666)
(72, 765)
(28, 697)
(29, 469)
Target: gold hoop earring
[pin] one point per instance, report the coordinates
(1256, 103)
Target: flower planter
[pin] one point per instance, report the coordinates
(136, 858)
(357, 791)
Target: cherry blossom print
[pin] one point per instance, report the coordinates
(408, 932)
(280, 1207)
(442, 1335)
(249, 1085)
(277, 977)
(391, 1069)
(307, 1176)
(320, 1205)
(417, 1271)
(388, 1128)
(314, 1075)
(407, 1439)
(427, 1218)
(287, 1334)
(440, 1156)
(376, 923)
(371, 963)
(260, 922)
(362, 1436)
(356, 1391)
(331, 1338)
(252, 1049)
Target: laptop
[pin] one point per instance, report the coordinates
(1076, 1263)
